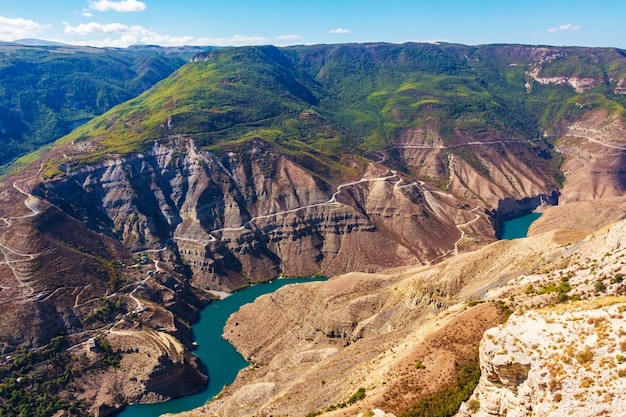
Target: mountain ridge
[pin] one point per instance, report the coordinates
(258, 162)
(48, 90)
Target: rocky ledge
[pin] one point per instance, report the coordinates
(554, 362)
(155, 367)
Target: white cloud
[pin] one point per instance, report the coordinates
(288, 37)
(564, 27)
(118, 6)
(17, 28)
(249, 40)
(339, 31)
(138, 35)
(285, 40)
(86, 13)
(93, 27)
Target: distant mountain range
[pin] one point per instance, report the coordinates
(49, 88)
(36, 42)
(244, 164)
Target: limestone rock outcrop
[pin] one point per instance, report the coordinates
(155, 367)
(248, 217)
(554, 362)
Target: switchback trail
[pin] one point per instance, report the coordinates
(331, 202)
(12, 257)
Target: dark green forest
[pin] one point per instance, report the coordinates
(320, 103)
(45, 92)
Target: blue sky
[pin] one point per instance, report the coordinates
(280, 22)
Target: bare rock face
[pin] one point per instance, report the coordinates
(553, 362)
(500, 170)
(593, 151)
(620, 88)
(579, 84)
(593, 148)
(248, 217)
(155, 367)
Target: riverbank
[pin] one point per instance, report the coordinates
(518, 227)
(221, 359)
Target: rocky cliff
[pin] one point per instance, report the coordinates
(553, 362)
(248, 217)
(565, 357)
(592, 195)
(154, 367)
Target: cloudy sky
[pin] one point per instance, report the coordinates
(287, 22)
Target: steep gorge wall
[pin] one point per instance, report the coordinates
(250, 216)
(503, 178)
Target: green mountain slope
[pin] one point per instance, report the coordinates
(46, 91)
(320, 103)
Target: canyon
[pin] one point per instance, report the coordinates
(250, 164)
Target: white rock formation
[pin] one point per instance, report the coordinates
(621, 86)
(567, 360)
(580, 85)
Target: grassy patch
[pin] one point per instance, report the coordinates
(357, 396)
(447, 401)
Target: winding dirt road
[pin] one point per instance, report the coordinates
(331, 202)
(12, 257)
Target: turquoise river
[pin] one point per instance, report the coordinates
(220, 357)
(518, 227)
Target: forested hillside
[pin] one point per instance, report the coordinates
(46, 91)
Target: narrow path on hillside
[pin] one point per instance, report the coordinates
(463, 234)
(31, 202)
(590, 139)
(135, 299)
(13, 258)
(21, 283)
(331, 201)
(474, 143)
(52, 293)
(76, 303)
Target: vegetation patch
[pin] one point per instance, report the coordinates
(32, 382)
(357, 396)
(447, 401)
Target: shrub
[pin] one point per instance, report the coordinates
(358, 395)
(585, 356)
(473, 405)
(447, 401)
